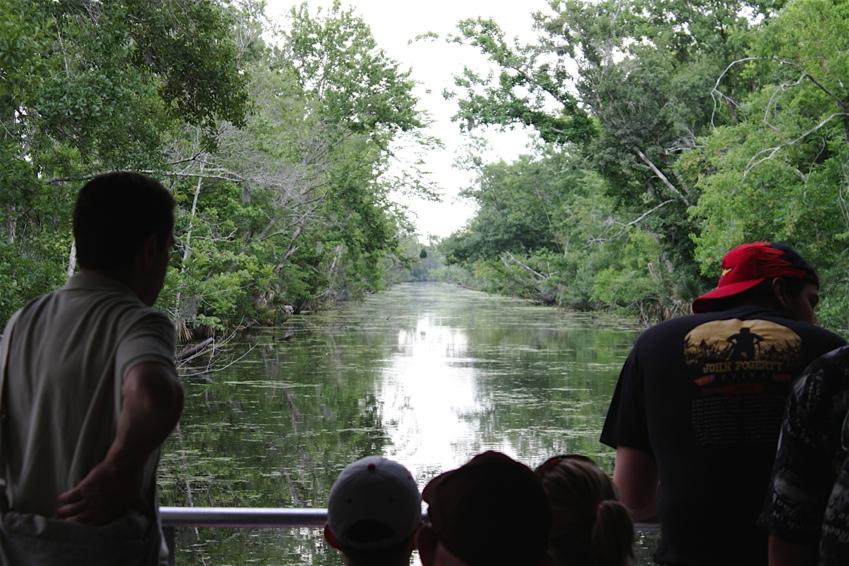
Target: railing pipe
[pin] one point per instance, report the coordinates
(242, 517)
(260, 518)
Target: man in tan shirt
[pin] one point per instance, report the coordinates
(91, 390)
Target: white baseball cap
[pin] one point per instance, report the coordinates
(374, 489)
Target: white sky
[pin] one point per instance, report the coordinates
(433, 64)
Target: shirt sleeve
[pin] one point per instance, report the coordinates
(150, 339)
(803, 474)
(625, 424)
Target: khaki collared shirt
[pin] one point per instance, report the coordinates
(69, 353)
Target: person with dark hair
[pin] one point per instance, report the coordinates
(373, 513)
(697, 410)
(89, 390)
(491, 510)
(590, 526)
(807, 508)
(114, 216)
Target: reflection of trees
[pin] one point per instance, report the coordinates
(551, 397)
(275, 431)
(276, 428)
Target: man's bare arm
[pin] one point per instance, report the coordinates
(783, 553)
(635, 475)
(152, 401)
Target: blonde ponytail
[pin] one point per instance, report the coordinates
(612, 538)
(590, 526)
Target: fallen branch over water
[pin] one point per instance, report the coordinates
(192, 350)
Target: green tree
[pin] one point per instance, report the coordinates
(291, 210)
(711, 123)
(87, 87)
(780, 172)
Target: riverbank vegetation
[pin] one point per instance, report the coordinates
(669, 131)
(275, 149)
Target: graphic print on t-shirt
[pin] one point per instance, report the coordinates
(740, 374)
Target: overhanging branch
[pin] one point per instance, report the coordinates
(637, 220)
(772, 151)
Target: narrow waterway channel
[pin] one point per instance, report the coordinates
(426, 374)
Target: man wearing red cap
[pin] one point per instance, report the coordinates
(697, 411)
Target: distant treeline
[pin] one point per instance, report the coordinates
(670, 131)
(275, 150)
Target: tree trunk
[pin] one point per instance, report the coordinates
(188, 240)
(660, 175)
(12, 226)
(72, 259)
(179, 320)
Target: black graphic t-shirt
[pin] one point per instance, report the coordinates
(808, 502)
(705, 395)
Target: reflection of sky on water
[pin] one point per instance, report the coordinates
(425, 396)
(426, 374)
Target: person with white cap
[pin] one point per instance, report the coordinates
(696, 413)
(373, 513)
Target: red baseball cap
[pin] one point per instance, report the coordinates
(750, 264)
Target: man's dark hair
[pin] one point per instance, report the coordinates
(371, 532)
(115, 213)
(798, 262)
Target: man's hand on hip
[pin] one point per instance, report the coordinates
(100, 497)
(152, 400)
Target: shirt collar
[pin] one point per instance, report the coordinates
(87, 279)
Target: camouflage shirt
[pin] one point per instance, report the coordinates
(808, 502)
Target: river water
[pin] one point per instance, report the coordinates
(426, 374)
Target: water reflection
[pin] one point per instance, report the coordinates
(426, 374)
(425, 396)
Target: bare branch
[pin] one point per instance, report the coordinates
(772, 151)
(683, 143)
(509, 258)
(225, 176)
(192, 351)
(660, 175)
(228, 176)
(716, 93)
(624, 227)
(187, 160)
(774, 97)
(210, 369)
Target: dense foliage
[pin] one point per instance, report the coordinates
(275, 151)
(670, 131)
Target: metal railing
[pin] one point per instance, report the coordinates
(259, 518)
(235, 518)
